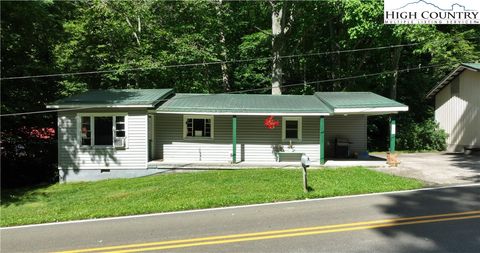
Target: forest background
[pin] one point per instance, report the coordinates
(53, 49)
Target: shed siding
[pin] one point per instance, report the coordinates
(73, 157)
(255, 143)
(352, 127)
(459, 115)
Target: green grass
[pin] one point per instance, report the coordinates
(183, 191)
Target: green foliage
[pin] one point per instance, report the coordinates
(29, 31)
(183, 191)
(425, 135)
(27, 160)
(255, 73)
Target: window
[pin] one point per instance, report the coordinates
(102, 130)
(292, 128)
(86, 132)
(198, 127)
(120, 126)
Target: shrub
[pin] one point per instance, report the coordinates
(27, 159)
(421, 136)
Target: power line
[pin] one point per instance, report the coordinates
(256, 89)
(347, 78)
(48, 111)
(207, 63)
(219, 62)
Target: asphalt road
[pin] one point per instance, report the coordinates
(440, 220)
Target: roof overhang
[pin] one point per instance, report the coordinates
(83, 106)
(244, 113)
(445, 81)
(114, 98)
(375, 110)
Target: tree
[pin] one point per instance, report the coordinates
(29, 32)
(281, 18)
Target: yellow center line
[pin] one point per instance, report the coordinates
(291, 235)
(279, 233)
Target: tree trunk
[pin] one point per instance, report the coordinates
(139, 27)
(396, 60)
(278, 42)
(223, 49)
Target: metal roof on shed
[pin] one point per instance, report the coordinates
(445, 81)
(114, 98)
(251, 104)
(472, 65)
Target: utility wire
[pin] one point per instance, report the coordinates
(218, 62)
(207, 63)
(249, 90)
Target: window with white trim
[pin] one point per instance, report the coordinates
(292, 128)
(197, 126)
(103, 130)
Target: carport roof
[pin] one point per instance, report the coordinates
(359, 102)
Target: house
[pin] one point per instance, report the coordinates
(127, 133)
(457, 106)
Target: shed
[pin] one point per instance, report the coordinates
(457, 106)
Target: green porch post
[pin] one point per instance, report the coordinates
(322, 140)
(234, 139)
(392, 134)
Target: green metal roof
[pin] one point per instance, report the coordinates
(446, 80)
(322, 103)
(115, 98)
(472, 65)
(245, 103)
(342, 100)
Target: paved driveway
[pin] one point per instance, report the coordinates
(439, 168)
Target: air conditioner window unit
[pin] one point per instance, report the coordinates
(119, 142)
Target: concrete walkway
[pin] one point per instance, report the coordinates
(159, 164)
(432, 168)
(438, 168)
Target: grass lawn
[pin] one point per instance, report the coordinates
(183, 191)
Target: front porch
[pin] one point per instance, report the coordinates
(191, 130)
(243, 141)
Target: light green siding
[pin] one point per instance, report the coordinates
(255, 143)
(352, 127)
(72, 157)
